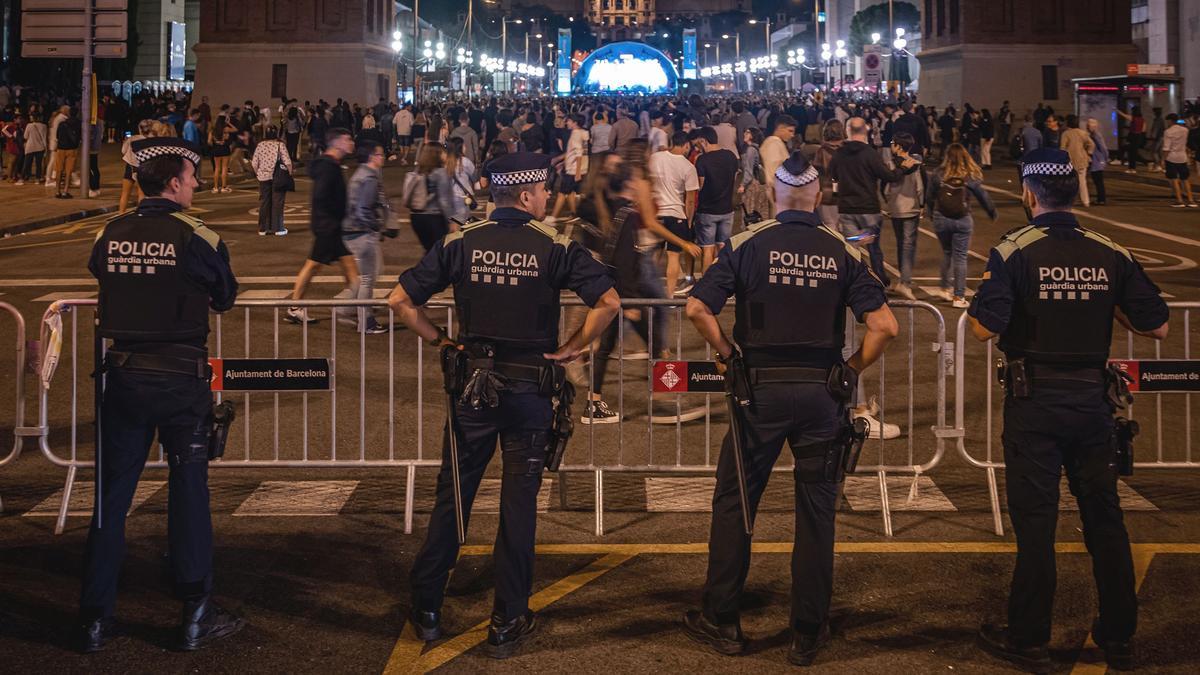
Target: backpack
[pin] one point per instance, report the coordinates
(952, 198)
(416, 191)
(69, 135)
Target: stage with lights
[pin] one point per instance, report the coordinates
(626, 67)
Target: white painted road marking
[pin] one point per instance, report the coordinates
(65, 295)
(83, 498)
(298, 498)
(1130, 499)
(690, 495)
(862, 493)
(487, 499)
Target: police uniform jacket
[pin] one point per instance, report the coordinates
(1050, 289)
(507, 274)
(160, 271)
(792, 278)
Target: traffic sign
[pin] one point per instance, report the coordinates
(78, 5)
(872, 65)
(72, 26)
(1135, 69)
(72, 50)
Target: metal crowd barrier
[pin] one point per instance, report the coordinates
(303, 429)
(20, 431)
(1165, 404)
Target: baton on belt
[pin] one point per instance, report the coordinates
(98, 347)
(735, 402)
(451, 375)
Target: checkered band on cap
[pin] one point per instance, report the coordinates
(520, 177)
(153, 151)
(808, 176)
(1046, 169)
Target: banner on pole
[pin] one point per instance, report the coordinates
(563, 62)
(689, 54)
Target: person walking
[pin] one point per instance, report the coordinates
(328, 211)
(1079, 146)
(270, 158)
(402, 122)
(950, 187)
(368, 218)
(428, 195)
(1058, 406)
(574, 168)
(675, 185)
(905, 200)
(1175, 160)
(1098, 162)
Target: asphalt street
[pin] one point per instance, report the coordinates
(317, 557)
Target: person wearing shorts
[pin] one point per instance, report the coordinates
(675, 184)
(328, 211)
(1175, 161)
(717, 170)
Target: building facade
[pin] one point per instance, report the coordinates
(1026, 51)
(299, 49)
(1168, 32)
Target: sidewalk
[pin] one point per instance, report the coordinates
(32, 205)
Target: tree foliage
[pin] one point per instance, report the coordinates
(874, 19)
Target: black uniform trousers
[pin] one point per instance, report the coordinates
(136, 405)
(1053, 429)
(807, 417)
(521, 423)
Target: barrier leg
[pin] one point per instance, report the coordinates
(61, 523)
(410, 485)
(599, 502)
(562, 490)
(885, 507)
(994, 495)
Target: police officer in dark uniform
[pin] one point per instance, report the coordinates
(160, 272)
(1051, 292)
(507, 274)
(778, 269)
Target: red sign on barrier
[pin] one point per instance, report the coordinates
(687, 377)
(1161, 375)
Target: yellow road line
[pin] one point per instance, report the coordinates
(405, 660)
(932, 547)
(44, 243)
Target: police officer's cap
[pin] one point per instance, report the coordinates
(148, 148)
(796, 171)
(1046, 162)
(518, 168)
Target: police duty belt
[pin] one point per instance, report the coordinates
(158, 363)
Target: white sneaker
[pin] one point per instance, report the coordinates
(905, 291)
(226, 189)
(92, 194)
(298, 315)
(960, 303)
(281, 233)
(876, 430)
(598, 412)
(20, 182)
(75, 182)
(943, 294)
(216, 190)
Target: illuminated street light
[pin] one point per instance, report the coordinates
(875, 38)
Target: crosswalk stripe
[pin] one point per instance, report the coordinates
(862, 493)
(1130, 499)
(66, 295)
(83, 497)
(680, 495)
(487, 499)
(298, 498)
(264, 294)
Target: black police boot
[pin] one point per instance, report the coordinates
(504, 637)
(996, 641)
(427, 625)
(1118, 655)
(96, 634)
(203, 622)
(805, 646)
(726, 639)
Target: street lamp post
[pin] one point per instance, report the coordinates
(825, 56)
(840, 55)
(766, 32)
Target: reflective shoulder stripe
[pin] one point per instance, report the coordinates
(1017, 239)
(1096, 236)
(455, 236)
(542, 228)
(199, 229)
(744, 236)
(111, 220)
(854, 251)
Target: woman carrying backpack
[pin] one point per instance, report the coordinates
(949, 187)
(428, 195)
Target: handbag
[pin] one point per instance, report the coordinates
(281, 180)
(468, 195)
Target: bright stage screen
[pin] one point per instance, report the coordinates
(627, 67)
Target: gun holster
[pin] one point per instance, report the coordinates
(1117, 391)
(1124, 431)
(563, 425)
(737, 380)
(1014, 377)
(223, 414)
(841, 383)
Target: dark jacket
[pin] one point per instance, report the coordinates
(858, 169)
(328, 195)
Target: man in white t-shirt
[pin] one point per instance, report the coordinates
(402, 122)
(660, 127)
(675, 186)
(574, 168)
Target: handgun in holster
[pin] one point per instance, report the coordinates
(1124, 431)
(223, 414)
(563, 425)
(737, 380)
(855, 437)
